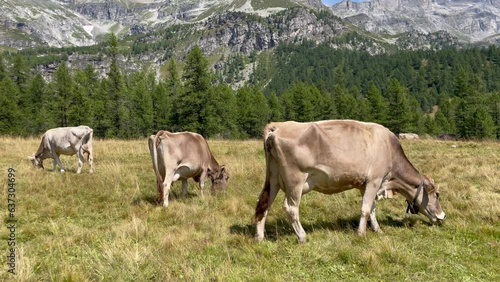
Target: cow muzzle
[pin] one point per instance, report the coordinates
(440, 218)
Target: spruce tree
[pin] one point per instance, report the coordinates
(141, 111)
(80, 111)
(39, 112)
(253, 111)
(10, 113)
(399, 108)
(103, 118)
(276, 110)
(379, 107)
(118, 106)
(3, 68)
(64, 88)
(299, 103)
(191, 102)
(220, 113)
(484, 126)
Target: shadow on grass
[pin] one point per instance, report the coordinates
(153, 199)
(282, 227)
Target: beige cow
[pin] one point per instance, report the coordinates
(408, 136)
(65, 141)
(334, 156)
(179, 156)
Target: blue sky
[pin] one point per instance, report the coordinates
(331, 2)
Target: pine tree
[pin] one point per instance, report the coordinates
(379, 107)
(3, 68)
(399, 108)
(117, 107)
(103, 118)
(253, 111)
(64, 87)
(162, 108)
(39, 112)
(10, 113)
(484, 126)
(220, 113)
(191, 102)
(80, 110)
(276, 110)
(141, 112)
(299, 103)
(495, 112)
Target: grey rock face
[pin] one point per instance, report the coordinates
(80, 22)
(469, 21)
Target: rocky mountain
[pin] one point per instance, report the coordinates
(57, 23)
(470, 21)
(153, 31)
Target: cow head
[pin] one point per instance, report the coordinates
(429, 204)
(36, 161)
(219, 178)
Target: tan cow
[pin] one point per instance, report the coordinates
(334, 156)
(183, 155)
(65, 141)
(408, 136)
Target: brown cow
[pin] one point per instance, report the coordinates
(334, 156)
(183, 155)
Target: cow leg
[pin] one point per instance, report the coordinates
(291, 207)
(265, 201)
(166, 191)
(203, 178)
(90, 158)
(168, 181)
(54, 164)
(79, 155)
(368, 206)
(58, 161)
(373, 219)
(184, 187)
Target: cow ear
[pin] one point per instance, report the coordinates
(224, 171)
(429, 178)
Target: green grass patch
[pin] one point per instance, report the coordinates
(106, 226)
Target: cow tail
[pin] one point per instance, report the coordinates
(263, 202)
(159, 181)
(43, 144)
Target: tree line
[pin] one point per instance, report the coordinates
(138, 104)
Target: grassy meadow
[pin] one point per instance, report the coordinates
(106, 226)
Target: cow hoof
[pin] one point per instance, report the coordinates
(302, 240)
(91, 171)
(258, 238)
(165, 204)
(63, 171)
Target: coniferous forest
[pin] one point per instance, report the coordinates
(451, 91)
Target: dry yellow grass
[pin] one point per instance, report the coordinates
(106, 226)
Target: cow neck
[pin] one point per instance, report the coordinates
(213, 162)
(413, 206)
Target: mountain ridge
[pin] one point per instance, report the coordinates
(469, 21)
